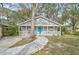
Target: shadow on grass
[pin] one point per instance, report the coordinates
(23, 41)
(61, 45)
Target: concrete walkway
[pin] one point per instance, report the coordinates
(27, 49)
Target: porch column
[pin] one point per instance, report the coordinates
(26, 29)
(47, 29)
(19, 30)
(60, 31)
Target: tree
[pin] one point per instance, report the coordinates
(71, 13)
(34, 6)
(74, 15)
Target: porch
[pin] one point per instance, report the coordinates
(43, 30)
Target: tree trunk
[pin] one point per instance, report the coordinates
(33, 15)
(73, 28)
(32, 27)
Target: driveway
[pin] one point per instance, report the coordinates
(27, 49)
(9, 41)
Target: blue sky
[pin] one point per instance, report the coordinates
(14, 7)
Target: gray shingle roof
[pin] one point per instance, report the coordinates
(50, 20)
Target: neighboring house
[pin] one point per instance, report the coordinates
(77, 27)
(1, 29)
(42, 26)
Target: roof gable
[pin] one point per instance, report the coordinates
(40, 21)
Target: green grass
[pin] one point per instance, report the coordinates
(62, 45)
(23, 42)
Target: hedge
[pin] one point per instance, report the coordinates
(10, 31)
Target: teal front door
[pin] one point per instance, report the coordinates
(40, 29)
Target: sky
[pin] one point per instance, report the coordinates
(14, 7)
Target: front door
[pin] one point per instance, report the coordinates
(40, 29)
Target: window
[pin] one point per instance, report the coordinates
(28, 27)
(45, 28)
(58, 28)
(50, 28)
(23, 28)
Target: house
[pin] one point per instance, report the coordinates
(42, 26)
(2, 26)
(1, 29)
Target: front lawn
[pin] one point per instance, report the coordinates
(23, 42)
(62, 45)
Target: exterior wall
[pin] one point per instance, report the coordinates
(24, 31)
(53, 33)
(46, 31)
(39, 22)
(44, 22)
(50, 33)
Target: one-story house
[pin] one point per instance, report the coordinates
(42, 26)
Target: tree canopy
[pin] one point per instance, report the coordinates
(61, 12)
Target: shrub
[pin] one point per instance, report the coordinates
(76, 33)
(10, 31)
